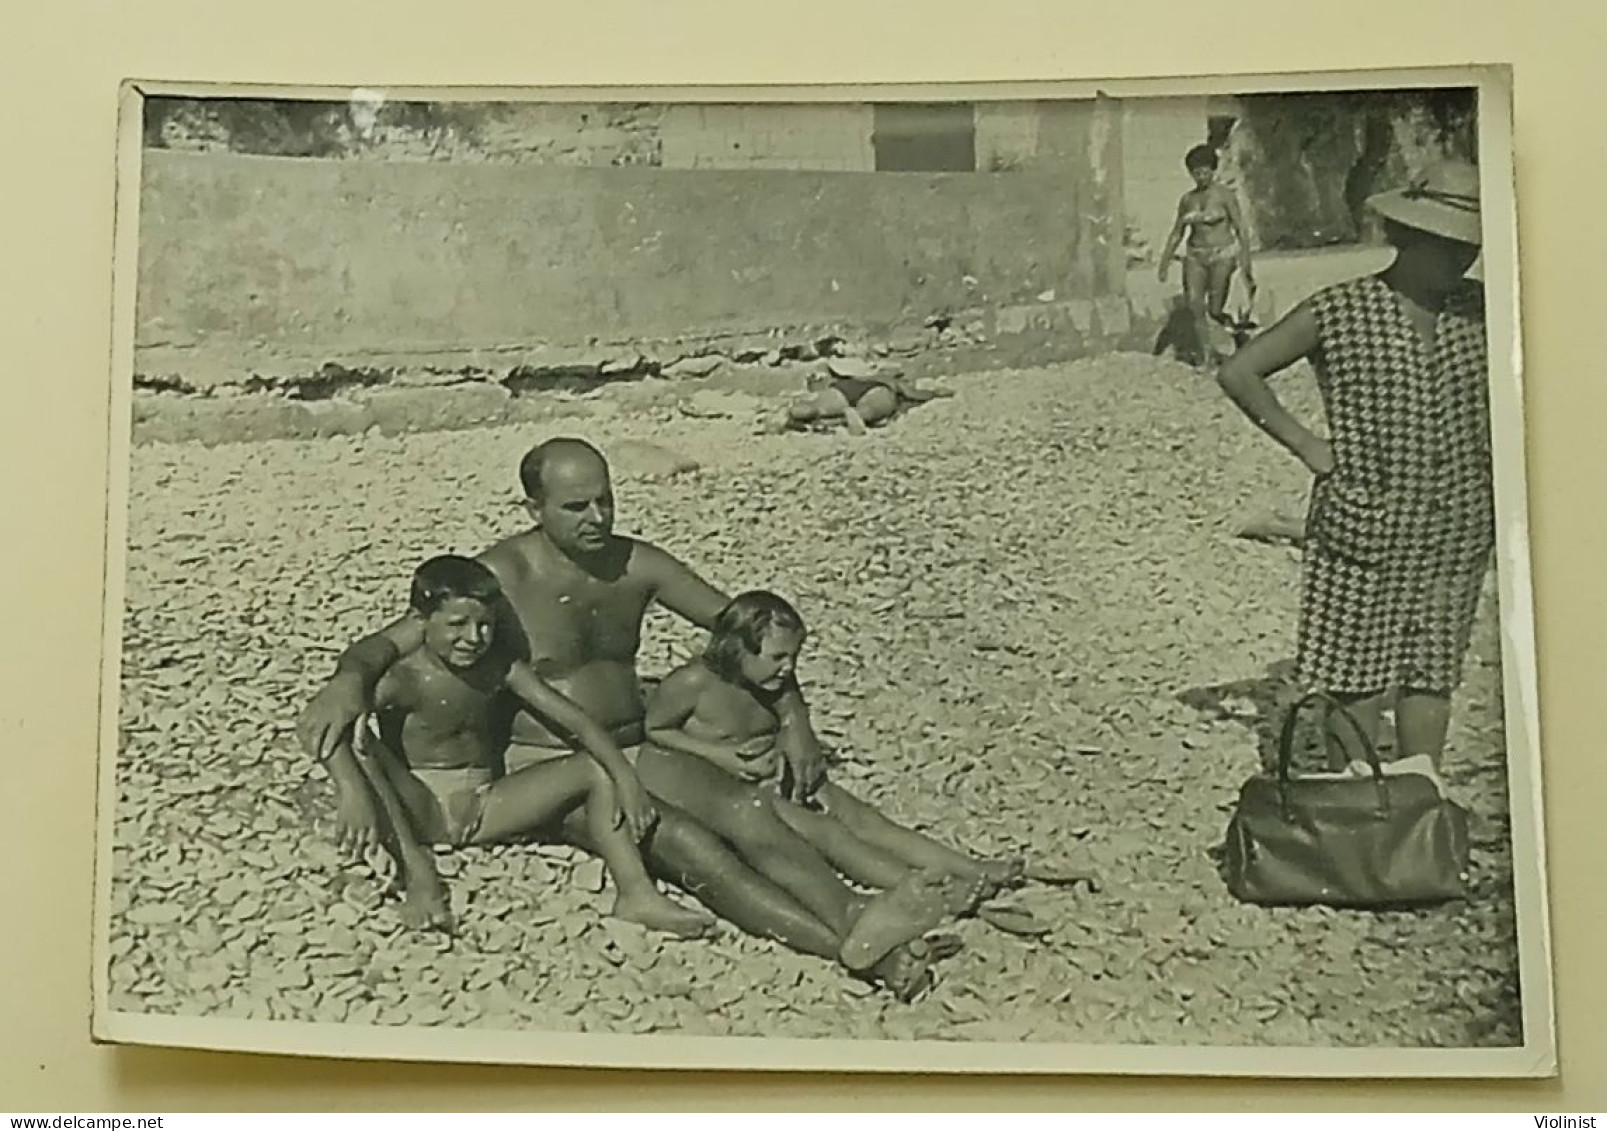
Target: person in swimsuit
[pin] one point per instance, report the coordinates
(860, 403)
(1218, 244)
(422, 772)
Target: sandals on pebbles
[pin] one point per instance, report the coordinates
(906, 971)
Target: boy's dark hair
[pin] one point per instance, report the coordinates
(449, 577)
(1201, 157)
(741, 626)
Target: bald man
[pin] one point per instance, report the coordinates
(577, 594)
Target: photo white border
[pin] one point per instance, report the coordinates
(1535, 1058)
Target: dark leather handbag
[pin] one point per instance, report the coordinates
(1379, 842)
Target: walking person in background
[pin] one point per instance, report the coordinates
(1400, 530)
(1218, 244)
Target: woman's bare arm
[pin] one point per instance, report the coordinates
(1244, 378)
(1174, 238)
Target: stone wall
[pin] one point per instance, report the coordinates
(275, 267)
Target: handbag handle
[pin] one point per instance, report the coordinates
(1331, 707)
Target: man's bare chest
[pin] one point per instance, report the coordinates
(576, 620)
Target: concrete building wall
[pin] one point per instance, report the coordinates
(245, 256)
(817, 138)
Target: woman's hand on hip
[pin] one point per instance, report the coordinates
(1318, 455)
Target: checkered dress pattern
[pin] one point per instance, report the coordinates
(1400, 534)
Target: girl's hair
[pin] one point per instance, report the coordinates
(1200, 157)
(741, 626)
(450, 577)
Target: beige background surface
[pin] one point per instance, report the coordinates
(59, 69)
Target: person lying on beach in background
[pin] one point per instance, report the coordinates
(429, 776)
(712, 729)
(859, 402)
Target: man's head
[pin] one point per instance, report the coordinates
(456, 597)
(569, 495)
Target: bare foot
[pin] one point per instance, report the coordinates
(658, 912)
(919, 903)
(425, 904)
(855, 422)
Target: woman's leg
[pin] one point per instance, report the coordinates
(877, 405)
(819, 404)
(861, 862)
(1343, 745)
(1196, 285)
(1422, 719)
(1221, 279)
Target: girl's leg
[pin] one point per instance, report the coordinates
(747, 820)
(695, 860)
(692, 858)
(863, 863)
(915, 849)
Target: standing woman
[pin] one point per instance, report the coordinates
(1217, 244)
(1401, 523)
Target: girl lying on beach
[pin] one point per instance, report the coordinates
(712, 727)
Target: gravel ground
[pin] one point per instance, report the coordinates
(1033, 626)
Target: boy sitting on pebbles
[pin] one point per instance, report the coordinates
(851, 392)
(429, 775)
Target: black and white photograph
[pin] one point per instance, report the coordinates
(1020, 579)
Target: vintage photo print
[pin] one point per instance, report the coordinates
(1010, 579)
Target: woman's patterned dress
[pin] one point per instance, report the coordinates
(1400, 534)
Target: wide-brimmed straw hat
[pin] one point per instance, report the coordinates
(1444, 201)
